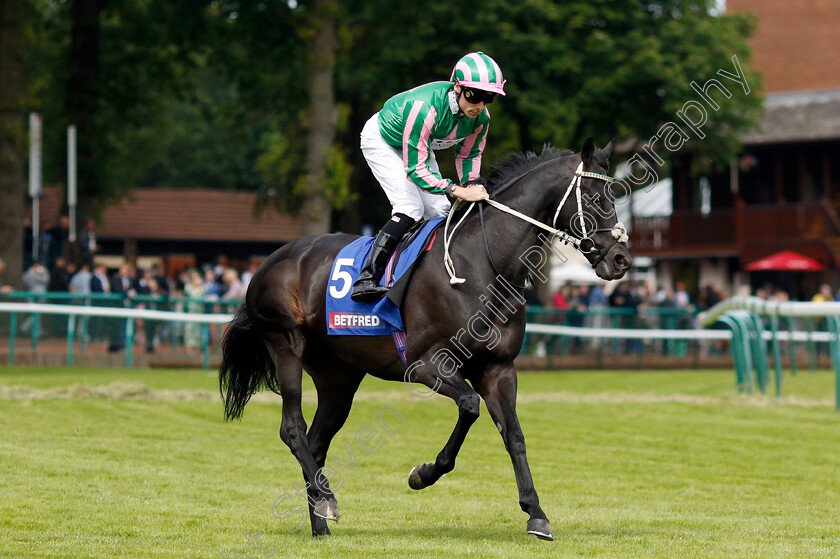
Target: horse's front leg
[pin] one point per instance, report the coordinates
(498, 388)
(469, 403)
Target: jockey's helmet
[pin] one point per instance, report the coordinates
(476, 70)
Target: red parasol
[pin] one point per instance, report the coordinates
(786, 260)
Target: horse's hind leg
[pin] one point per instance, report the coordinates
(286, 350)
(336, 384)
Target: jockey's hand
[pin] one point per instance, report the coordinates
(471, 193)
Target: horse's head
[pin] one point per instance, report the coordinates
(587, 214)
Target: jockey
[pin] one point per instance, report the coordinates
(398, 144)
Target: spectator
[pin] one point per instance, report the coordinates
(597, 303)
(559, 300)
(99, 280)
(681, 298)
(151, 327)
(87, 243)
(618, 298)
(99, 285)
(708, 297)
(249, 273)
(44, 245)
(122, 283)
(220, 267)
(141, 282)
(60, 276)
(212, 290)
(164, 287)
(665, 298)
(80, 282)
(80, 285)
(234, 290)
(578, 302)
(824, 295)
(36, 279)
(58, 236)
(627, 303)
(597, 297)
(194, 290)
(4, 288)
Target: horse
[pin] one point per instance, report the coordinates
(281, 329)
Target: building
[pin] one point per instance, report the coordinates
(783, 191)
(183, 227)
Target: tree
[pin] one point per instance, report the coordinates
(114, 70)
(316, 209)
(575, 69)
(12, 135)
(82, 97)
(272, 95)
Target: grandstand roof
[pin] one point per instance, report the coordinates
(185, 214)
(795, 117)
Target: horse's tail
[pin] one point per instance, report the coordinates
(246, 365)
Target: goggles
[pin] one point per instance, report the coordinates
(476, 96)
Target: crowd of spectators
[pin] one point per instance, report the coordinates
(629, 304)
(70, 267)
(84, 280)
(65, 266)
(635, 295)
(200, 290)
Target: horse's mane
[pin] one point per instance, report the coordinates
(514, 165)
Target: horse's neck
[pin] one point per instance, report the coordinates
(514, 241)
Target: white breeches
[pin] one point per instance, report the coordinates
(386, 163)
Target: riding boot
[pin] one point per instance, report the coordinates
(367, 287)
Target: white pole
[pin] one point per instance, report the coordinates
(71, 179)
(35, 179)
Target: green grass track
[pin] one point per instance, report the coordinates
(116, 463)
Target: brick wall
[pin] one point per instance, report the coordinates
(797, 43)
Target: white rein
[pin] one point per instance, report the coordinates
(619, 231)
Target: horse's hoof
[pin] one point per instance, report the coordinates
(327, 508)
(319, 533)
(540, 528)
(414, 480)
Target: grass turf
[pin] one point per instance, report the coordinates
(626, 465)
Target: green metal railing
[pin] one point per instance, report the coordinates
(111, 317)
(755, 322)
(646, 318)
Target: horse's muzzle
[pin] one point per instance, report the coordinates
(615, 263)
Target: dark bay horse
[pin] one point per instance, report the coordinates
(461, 339)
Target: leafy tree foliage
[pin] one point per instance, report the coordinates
(197, 93)
(12, 110)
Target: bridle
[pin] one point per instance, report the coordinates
(585, 244)
(619, 231)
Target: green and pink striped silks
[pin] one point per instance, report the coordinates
(420, 120)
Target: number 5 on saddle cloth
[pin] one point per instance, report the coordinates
(346, 317)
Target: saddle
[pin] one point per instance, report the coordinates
(346, 317)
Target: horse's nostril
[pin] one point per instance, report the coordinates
(622, 261)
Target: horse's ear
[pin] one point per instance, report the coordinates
(587, 152)
(607, 150)
(602, 156)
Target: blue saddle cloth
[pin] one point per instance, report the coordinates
(346, 317)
